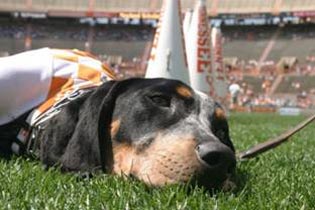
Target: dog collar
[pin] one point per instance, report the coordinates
(26, 141)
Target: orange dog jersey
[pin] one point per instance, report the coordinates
(38, 79)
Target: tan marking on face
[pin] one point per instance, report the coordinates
(184, 91)
(219, 113)
(172, 160)
(168, 160)
(114, 127)
(123, 159)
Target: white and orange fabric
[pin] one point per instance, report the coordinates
(38, 79)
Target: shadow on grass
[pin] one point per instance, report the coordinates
(240, 179)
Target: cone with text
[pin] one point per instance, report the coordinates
(199, 50)
(168, 56)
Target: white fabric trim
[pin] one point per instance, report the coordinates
(25, 80)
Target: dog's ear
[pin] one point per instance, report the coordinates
(220, 127)
(104, 124)
(90, 145)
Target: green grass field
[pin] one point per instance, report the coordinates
(281, 179)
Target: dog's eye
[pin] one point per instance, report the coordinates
(161, 100)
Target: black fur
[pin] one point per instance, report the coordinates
(8, 133)
(220, 128)
(78, 138)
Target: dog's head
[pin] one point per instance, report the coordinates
(163, 132)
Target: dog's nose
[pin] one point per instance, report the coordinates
(217, 156)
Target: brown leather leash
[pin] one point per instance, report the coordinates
(273, 142)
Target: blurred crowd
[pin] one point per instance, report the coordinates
(74, 31)
(253, 33)
(243, 92)
(243, 95)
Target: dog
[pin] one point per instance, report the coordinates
(159, 131)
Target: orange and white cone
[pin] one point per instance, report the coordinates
(199, 50)
(219, 74)
(168, 56)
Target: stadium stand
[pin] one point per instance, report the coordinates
(268, 45)
(296, 84)
(249, 41)
(214, 6)
(128, 41)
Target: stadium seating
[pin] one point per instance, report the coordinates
(254, 82)
(244, 6)
(73, 5)
(249, 42)
(293, 5)
(219, 6)
(306, 83)
(122, 5)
